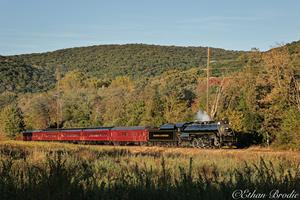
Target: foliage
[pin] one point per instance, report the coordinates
(17, 76)
(7, 98)
(260, 98)
(154, 107)
(134, 60)
(290, 129)
(11, 121)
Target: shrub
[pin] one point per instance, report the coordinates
(11, 121)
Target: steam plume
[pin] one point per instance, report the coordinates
(202, 116)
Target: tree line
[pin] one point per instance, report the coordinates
(261, 99)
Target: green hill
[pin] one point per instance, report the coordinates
(35, 72)
(17, 76)
(135, 60)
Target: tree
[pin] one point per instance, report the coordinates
(176, 110)
(134, 112)
(39, 110)
(154, 107)
(72, 80)
(117, 98)
(76, 110)
(290, 129)
(274, 83)
(11, 121)
(7, 98)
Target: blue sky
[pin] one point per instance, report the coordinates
(38, 25)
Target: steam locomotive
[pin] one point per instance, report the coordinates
(207, 134)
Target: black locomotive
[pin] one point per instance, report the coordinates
(205, 134)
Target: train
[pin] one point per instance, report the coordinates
(198, 134)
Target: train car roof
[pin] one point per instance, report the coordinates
(69, 129)
(167, 126)
(31, 131)
(129, 128)
(100, 127)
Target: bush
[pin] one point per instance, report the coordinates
(290, 134)
(11, 121)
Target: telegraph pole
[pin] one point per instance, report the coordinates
(207, 80)
(57, 97)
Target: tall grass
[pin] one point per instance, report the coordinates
(55, 171)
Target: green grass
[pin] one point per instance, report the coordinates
(64, 171)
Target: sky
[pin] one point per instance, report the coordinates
(31, 26)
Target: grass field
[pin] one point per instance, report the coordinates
(36, 170)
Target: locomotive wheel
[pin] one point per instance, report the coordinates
(205, 142)
(217, 144)
(201, 143)
(195, 143)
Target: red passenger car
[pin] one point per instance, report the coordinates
(45, 136)
(96, 134)
(131, 134)
(107, 135)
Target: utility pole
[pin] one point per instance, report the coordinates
(58, 96)
(207, 80)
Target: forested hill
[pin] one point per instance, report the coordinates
(135, 60)
(35, 72)
(17, 76)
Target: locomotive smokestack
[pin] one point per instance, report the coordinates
(202, 116)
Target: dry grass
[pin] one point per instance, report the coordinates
(109, 172)
(223, 159)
